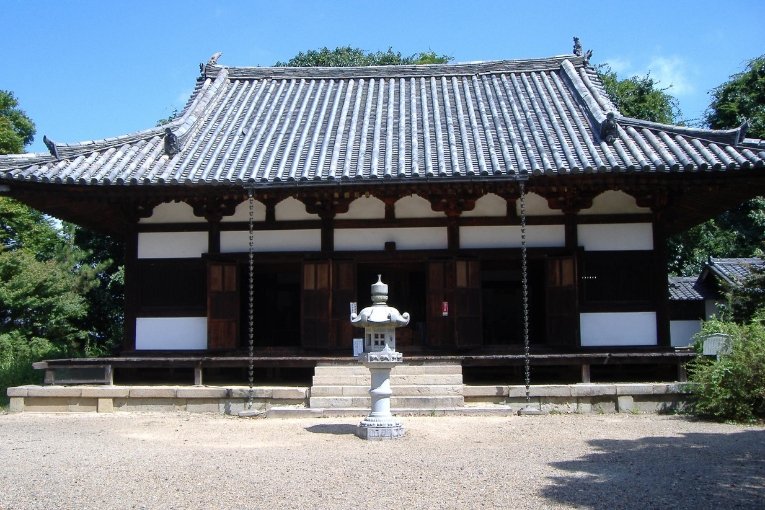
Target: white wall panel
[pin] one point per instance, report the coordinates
(616, 236)
(242, 212)
(271, 240)
(168, 245)
(364, 208)
(615, 202)
(537, 236)
(618, 329)
(170, 333)
(681, 332)
(414, 206)
(536, 205)
(488, 205)
(291, 209)
(173, 212)
(419, 238)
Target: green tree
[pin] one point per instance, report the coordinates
(640, 97)
(16, 129)
(345, 56)
(741, 98)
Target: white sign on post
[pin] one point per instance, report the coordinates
(353, 308)
(358, 347)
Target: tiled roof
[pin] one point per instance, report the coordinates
(686, 288)
(490, 120)
(733, 270)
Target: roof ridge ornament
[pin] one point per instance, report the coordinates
(172, 144)
(743, 128)
(213, 60)
(577, 47)
(609, 129)
(51, 145)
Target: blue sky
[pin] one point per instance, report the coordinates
(86, 70)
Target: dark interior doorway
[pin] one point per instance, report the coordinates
(502, 301)
(276, 305)
(406, 292)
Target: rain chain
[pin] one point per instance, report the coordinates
(251, 303)
(525, 293)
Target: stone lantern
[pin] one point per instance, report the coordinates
(380, 322)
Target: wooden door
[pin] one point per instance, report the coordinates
(343, 293)
(468, 325)
(222, 306)
(562, 301)
(316, 304)
(440, 285)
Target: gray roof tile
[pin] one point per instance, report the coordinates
(452, 121)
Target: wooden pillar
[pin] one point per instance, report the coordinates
(131, 288)
(453, 234)
(213, 235)
(660, 284)
(327, 232)
(586, 373)
(571, 233)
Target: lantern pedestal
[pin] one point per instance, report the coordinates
(380, 424)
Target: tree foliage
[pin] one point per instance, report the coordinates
(741, 97)
(345, 56)
(733, 386)
(640, 97)
(16, 129)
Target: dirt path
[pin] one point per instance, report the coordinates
(204, 461)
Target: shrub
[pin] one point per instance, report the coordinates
(733, 386)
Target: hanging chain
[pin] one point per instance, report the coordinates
(525, 294)
(251, 301)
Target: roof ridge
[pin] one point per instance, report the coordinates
(398, 71)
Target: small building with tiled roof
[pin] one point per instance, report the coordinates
(696, 298)
(415, 172)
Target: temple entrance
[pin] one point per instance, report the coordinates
(276, 305)
(502, 303)
(407, 292)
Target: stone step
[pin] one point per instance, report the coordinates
(408, 402)
(395, 380)
(411, 390)
(403, 369)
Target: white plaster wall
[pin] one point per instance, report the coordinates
(710, 308)
(681, 332)
(420, 238)
(364, 208)
(537, 236)
(168, 245)
(170, 333)
(414, 206)
(536, 205)
(242, 212)
(173, 212)
(488, 205)
(271, 240)
(616, 236)
(291, 209)
(615, 202)
(618, 329)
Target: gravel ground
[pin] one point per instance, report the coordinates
(171, 461)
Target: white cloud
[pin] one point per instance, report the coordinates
(673, 72)
(619, 65)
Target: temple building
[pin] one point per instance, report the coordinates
(412, 172)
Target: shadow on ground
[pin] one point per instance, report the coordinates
(337, 429)
(690, 471)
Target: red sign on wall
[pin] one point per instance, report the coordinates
(444, 308)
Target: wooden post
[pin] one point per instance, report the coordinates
(198, 375)
(585, 372)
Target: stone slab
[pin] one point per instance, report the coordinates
(625, 403)
(18, 391)
(105, 405)
(380, 433)
(105, 392)
(592, 390)
(201, 393)
(485, 391)
(16, 405)
(203, 405)
(54, 391)
(158, 392)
